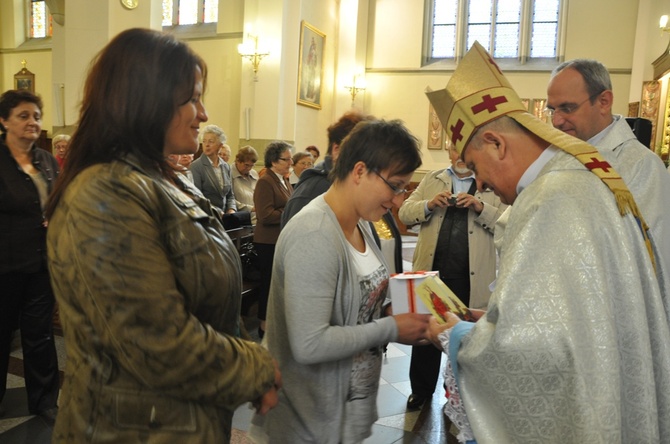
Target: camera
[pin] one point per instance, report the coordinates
(452, 200)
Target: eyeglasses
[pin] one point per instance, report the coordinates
(397, 191)
(286, 159)
(567, 108)
(306, 164)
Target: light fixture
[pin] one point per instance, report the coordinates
(357, 86)
(663, 24)
(252, 53)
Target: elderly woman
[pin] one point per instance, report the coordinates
(186, 160)
(147, 280)
(301, 162)
(27, 175)
(270, 197)
(59, 144)
(245, 179)
(225, 153)
(211, 174)
(329, 316)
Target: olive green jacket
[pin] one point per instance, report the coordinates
(149, 286)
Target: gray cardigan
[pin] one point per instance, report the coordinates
(312, 327)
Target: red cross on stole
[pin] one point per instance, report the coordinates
(598, 164)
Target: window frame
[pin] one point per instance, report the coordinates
(192, 30)
(29, 22)
(521, 63)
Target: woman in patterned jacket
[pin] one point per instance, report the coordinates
(147, 280)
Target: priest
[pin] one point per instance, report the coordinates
(574, 345)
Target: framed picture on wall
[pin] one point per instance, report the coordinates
(310, 65)
(435, 131)
(24, 79)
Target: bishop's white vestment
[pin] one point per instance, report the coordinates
(575, 345)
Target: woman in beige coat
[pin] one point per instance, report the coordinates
(147, 280)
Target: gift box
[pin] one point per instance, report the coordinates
(403, 292)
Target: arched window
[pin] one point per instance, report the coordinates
(519, 30)
(190, 12)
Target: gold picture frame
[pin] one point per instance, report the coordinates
(310, 65)
(24, 80)
(650, 104)
(538, 110)
(435, 130)
(633, 109)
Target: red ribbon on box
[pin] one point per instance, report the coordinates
(410, 291)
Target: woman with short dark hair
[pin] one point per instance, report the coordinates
(329, 313)
(302, 161)
(270, 196)
(27, 175)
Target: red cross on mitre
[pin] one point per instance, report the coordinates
(488, 103)
(456, 131)
(598, 164)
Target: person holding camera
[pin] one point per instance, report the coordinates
(455, 238)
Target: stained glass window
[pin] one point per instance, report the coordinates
(190, 12)
(40, 20)
(167, 12)
(499, 25)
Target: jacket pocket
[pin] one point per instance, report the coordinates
(145, 411)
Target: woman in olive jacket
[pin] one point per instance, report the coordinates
(147, 280)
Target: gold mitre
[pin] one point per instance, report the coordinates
(476, 94)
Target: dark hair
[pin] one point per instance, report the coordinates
(132, 92)
(247, 153)
(339, 130)
(12, 98)
(595, 75)
(315, 149)
(274, 151)
(381, 145)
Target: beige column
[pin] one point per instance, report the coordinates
(88, 26)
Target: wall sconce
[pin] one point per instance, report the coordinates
(663, 24)
(357, 86)
(252, 53)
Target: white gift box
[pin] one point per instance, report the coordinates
(403, 295)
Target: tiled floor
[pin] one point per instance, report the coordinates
(395, 424)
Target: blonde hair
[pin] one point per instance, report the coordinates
(59, 138)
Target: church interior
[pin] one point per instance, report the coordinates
(263, 84)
